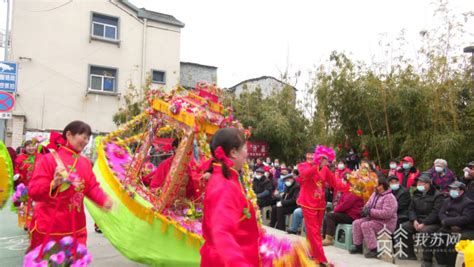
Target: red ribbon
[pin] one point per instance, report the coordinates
(222, 157)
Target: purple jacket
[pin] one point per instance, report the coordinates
(350, 204)
(441, 181)
(383, 208)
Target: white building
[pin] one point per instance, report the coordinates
(77, 58)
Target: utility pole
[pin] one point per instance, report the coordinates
(7, 40)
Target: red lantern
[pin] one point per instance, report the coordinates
(359, 132)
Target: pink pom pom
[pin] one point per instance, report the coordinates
(323, 151)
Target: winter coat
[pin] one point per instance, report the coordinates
(231, 237)
(458, 212)
(263, 188)
(290, 195)
(407, 177)
(350, 204)
(403, 199)
(441, 181)
(424, 208)
(383, 209)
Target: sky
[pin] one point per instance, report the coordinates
(252, 38)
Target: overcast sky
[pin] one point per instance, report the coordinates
(251, 38)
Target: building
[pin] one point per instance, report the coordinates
(267, 84)
(76, 60)
(192, 73)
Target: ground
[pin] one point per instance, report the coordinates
(13, 242)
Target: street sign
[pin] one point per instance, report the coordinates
(5, 115)
(8, 76)
(6, 101)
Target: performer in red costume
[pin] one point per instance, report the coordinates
(229, 224)
(59, 184)
(314, 174)
(24, 163)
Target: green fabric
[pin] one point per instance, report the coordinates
(138, 240)
(5, 156)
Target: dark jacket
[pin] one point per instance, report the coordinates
(263, 188)
(290, 195)
(403, 199)
(458, 212)
(425, 207)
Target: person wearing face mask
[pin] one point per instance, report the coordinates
(402, 195)
(340, 174)
(469, 180)
(352, 159)
(286, 204)
(347, 209)
(393, 168)
(379, 212)
(423, 216)
(442, 176)
(263, 188)
(408, 173)
(457, 217)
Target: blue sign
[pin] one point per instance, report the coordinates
(8, 76)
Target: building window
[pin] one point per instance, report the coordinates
(102, 79)
(105, 27)
(158, 76)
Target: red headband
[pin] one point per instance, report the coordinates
(222, 157)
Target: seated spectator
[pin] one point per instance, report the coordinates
(281, 185)
(379, 212)
(423, 216)
(393, 168)
(286, 204)
(457, 218)
(441, 176)
(469, 180)
(407, 173)
(402, 195)
(296, 221)
(346, 211)
(340, 173)
(263, 188)
(258, 164)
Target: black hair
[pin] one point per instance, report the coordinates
(27, 143)
(296, 172)
(228, 139)
(383, 182)
(175, 143)
(77, 127)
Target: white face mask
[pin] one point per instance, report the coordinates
(267, 174)
(341, 167)
(258, 177)
(439, 169)
(466, 174)
(393, 166)
(288, 183)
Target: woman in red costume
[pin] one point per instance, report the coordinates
(25, 163)
(314, 175)
(229, 224)
(60, 182)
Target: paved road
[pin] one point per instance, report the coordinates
(14, 241)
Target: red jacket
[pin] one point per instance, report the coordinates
(313, 181)
(350, 204)
(339, 174)
(412, 175)
(159, 176)
(71, 206)
(24, 165)
(231, 239)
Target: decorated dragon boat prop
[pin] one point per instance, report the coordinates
(163, 227)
